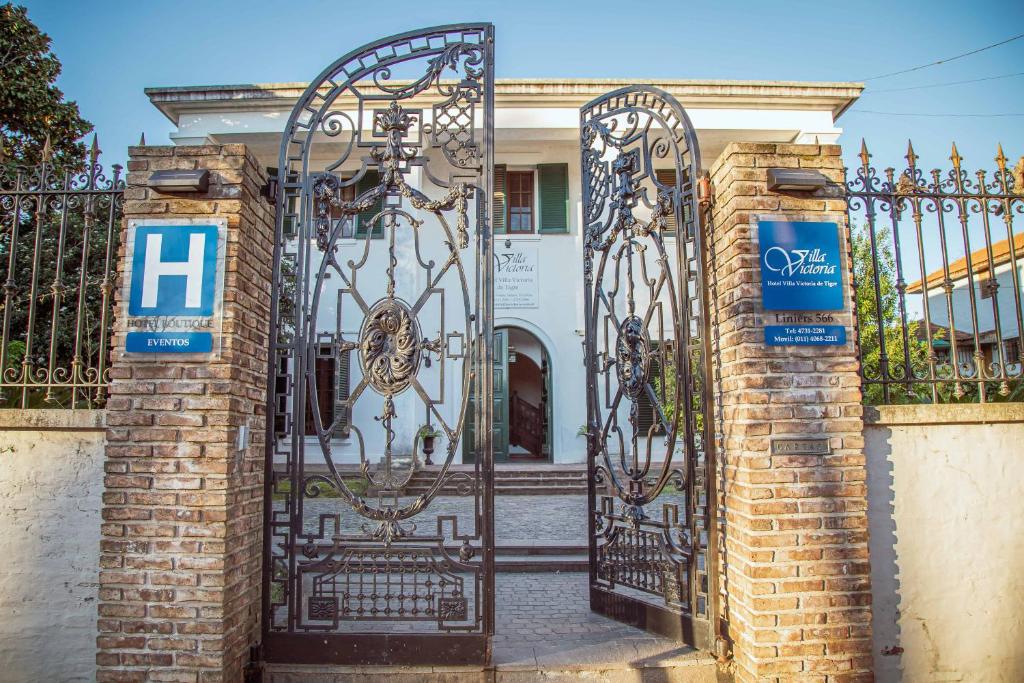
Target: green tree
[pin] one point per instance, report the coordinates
(888, 316)
(31, 106)
(665, 390)
(62, 243)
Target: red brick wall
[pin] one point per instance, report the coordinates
(796, 572)
(183, 507)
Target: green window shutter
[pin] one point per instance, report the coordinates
(341, 392)
(646, 413)
(324, 375)
(500, 208)
(554, 197)
(667, 176)
(370, 180)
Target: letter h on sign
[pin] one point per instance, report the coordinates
(174, 270)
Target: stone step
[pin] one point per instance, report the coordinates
(539, 490)
(514, 547)
(422, 477)
(550, 556)
(691, 667)
(542, 563)
(424, 480)
(508, 490)
(539, 474)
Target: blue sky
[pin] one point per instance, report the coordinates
(112, 50)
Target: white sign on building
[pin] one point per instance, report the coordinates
(516, 276)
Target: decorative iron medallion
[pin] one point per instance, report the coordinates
(633, 356)
(389, 346)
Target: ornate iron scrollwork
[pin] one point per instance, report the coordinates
(382, 266)
(646, 351)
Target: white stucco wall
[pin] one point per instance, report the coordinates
(557, 321)
(51, 485)
(945, 514)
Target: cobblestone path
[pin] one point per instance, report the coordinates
(517, 518)
(545, 620)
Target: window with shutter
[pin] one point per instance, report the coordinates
(341, 393)
(347, 194)
(323, 373)
(645, 411)
(498, 212)
(519, 198)
(332, 390)
(554, 197)
(370, 180)
(667, 176)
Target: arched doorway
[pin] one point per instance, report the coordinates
(529, 398)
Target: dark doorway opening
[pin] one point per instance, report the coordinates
(529, 397)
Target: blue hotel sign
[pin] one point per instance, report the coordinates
(174, 285)
(801, 274)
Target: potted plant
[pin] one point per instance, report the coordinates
(427, 434)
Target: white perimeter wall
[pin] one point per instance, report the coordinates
(946, 518)
(51, 485)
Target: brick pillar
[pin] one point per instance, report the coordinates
(795, 536)
(181, 545)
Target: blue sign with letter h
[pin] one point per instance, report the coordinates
(174, 271)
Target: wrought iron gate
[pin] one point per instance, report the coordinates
(646, 346)
(382, 317)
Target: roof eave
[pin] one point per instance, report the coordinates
(837, 97)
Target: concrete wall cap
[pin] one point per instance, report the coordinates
(945, 413)
(56, 419)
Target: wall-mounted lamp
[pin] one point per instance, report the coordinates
(799, 179)
(180, 180)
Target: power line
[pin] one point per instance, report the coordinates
(905, 113)
(871, 91)
(948, 59)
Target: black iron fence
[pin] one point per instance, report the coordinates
(58, 240)
(937, 271)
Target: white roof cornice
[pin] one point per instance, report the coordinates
(536, 92)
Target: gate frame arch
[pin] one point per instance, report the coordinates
(648, 616)
(465, 48)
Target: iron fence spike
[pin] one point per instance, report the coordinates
(865, 156)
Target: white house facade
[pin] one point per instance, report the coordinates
(537, 219)
(985, 301)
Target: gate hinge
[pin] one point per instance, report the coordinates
(253, 671)
(723, 650)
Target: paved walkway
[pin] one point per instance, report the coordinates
(555, 517)
(544, 621)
